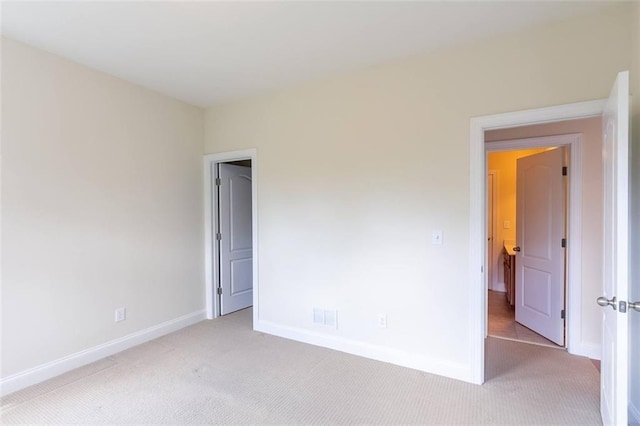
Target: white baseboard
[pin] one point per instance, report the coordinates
(499, 286)
(379, 353)
(43, 372)
(590, 350)
(634, 414)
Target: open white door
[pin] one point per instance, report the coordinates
(539, 252)
(615, 362)
(235, 238)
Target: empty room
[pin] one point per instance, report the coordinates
(326, 212)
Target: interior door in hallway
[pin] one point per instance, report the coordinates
(235, 238)
(540, 222)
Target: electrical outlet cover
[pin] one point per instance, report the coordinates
(121, 314)
(436, 237)
(382, 321)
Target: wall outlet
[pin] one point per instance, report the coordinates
(506, 224)
(382, 320)
(436, 237)
(121, 314)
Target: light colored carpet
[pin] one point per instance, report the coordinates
(222, 372)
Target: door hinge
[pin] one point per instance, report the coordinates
(218, 181)
(564, 243)
(564, 170)
(220, 291)
(218, 236)
(562, 315)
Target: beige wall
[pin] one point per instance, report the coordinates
(101, 208)
(357, 170)
(592, 210)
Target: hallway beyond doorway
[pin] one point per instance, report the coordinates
(502, 323)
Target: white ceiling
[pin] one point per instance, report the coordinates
(206, 53)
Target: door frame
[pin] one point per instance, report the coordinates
(477, 214)
(211, 218)
(572, 280)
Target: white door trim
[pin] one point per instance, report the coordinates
(210, 218)
(477, 216)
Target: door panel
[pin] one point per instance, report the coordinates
(235, 245)
(537, 294)
(615, 124)
(537, 204)
(240, 214)
(539, 233)
(241, 270)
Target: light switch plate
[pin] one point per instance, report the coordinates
(382, 320)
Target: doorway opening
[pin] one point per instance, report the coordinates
(527, 198)
(576, 343)
(231, 249)
(233, 236)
